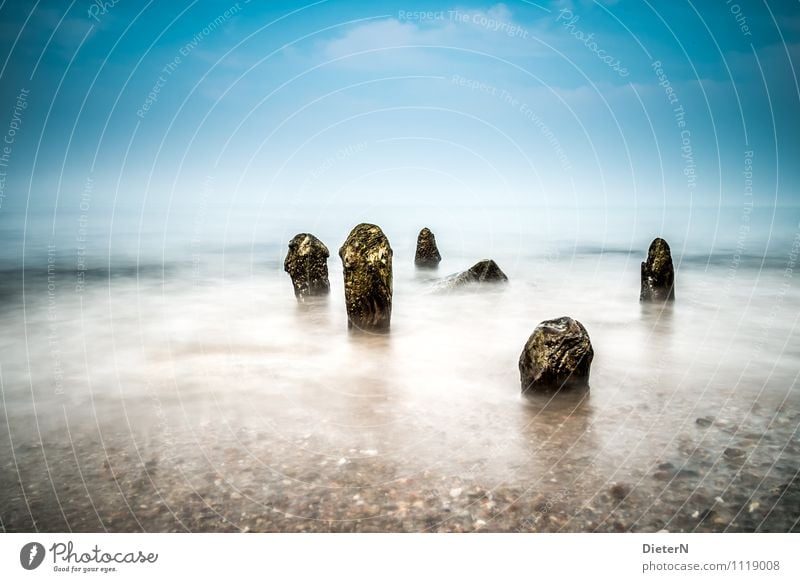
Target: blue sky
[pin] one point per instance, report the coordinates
(555, 104)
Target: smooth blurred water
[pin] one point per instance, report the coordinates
(197, 394)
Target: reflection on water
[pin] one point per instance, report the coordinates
(158, 400)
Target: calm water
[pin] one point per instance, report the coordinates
(195, 394)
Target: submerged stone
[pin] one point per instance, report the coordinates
(307, 265)
(658, 274)
(367, 262)
(485, 271)
(558, 354)
(427, 254)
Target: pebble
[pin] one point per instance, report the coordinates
(691, 473)
(309, 492)
(705, 514)
(620, 491)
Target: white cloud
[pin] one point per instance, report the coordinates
(493, 31)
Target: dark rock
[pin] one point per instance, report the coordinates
(427, 254)
(557, 354)
(658, 274)
(485, 271)
(620, 491)
(367, 261)
(704, 422)
(733, 453)
(307, 265)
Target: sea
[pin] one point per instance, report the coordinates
(158, 374)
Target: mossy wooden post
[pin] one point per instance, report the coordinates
(658, 274)
(427, 255)
(367, 262)
(307, 265)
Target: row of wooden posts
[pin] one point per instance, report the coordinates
(557, 354)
